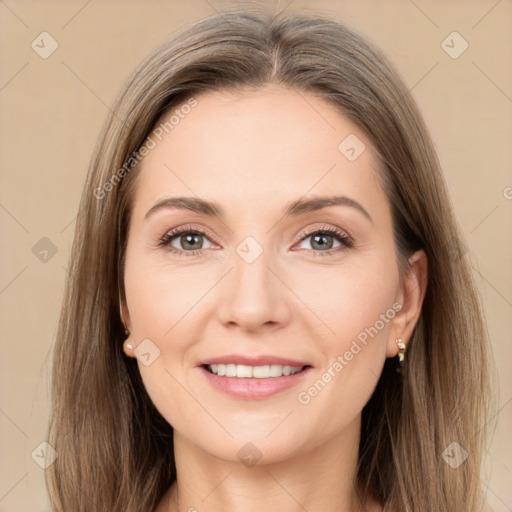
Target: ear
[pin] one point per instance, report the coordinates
(411, 295)
(125, 314)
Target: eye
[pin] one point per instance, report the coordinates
(322, 241)
(189, 241)
(185, 241)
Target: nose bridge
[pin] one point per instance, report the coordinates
(253, 296)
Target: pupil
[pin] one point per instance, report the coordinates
(323, 245)
(189, 239)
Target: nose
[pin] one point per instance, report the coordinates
(253, 296)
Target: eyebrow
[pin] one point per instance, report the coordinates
(294, 208)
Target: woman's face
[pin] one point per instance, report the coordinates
(252, 282)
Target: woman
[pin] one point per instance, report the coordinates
(267, 309)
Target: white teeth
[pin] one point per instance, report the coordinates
(261, 372)
(230, 370)
(276, 370)
(243, 371)
(258, 372)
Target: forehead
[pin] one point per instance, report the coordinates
(260, 146)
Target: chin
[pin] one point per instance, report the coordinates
(251, 447)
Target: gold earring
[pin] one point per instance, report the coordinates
(401, 350)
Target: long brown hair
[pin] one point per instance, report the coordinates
(115, 451)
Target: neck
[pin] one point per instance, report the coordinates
(318, 480)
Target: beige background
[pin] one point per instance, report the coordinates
(52, 111)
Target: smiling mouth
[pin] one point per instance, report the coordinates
(242, 371)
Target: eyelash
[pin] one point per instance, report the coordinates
(346, 241)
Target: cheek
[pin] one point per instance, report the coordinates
(161, 296)
(348, 298)
(164, 301)
(355, 305)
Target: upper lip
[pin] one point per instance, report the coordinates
(252, 361)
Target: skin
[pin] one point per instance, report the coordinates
(252, 152)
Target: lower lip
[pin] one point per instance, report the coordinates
(252, 388)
